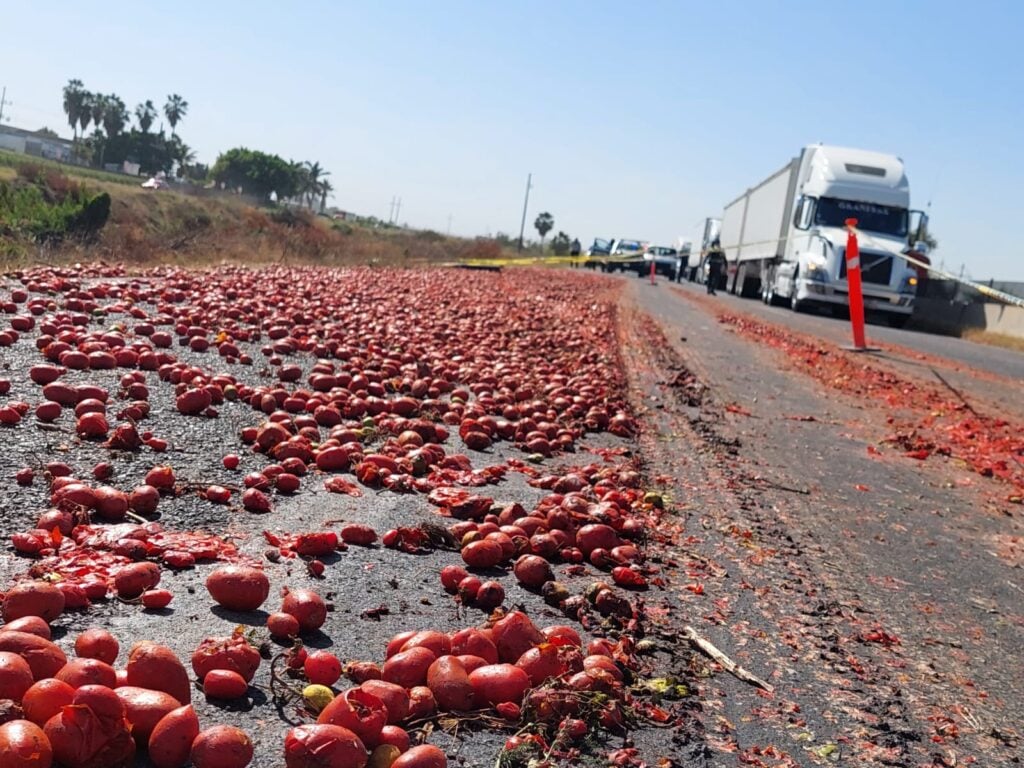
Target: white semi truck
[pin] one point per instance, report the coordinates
(785, 239)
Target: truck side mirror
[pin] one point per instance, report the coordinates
(803, 217)
(918, 229)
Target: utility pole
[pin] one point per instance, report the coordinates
(449, 232)
(526, 202)
(391, 211)
(398, 211)
(3, 100)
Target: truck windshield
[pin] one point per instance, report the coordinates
(832, 212)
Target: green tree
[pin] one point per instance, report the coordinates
(98, 107)
(47, 132)
(315, 177)
(543, 224)
(560, 243)
(195, 172)
(145, 113)
(74, 102)
(115, 115)
(257, 173)
(301, 175)
(175, 109)
(325, 189)
(153, 152)
(85, 111)
(182, 154)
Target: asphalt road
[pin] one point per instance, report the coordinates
(996, 360)
(875, 592)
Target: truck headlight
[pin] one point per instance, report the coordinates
(816, 271)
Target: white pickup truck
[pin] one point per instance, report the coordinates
(616, 254)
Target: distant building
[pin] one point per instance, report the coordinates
(127, 167)
(34, 144)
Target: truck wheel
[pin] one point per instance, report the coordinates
(898, 321)
(795, 304)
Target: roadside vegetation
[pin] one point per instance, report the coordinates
(250, 206)
(994, 339)
(47, 215)
(46, 207)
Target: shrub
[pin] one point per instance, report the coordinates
(48, 216)
(92, 217)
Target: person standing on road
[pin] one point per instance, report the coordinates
(574, 252)
(715, 262)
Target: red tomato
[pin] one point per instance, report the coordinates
(221, 747)
(15, 676)
(323, 746)
(322, 667)
(45, 699)
(423, 756)
(24, 745)
(224, 684)
(155, 599)
(282, 625)
(233, 653)
(360, 711)
(306, 606)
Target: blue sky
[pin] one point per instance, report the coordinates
(636, 119)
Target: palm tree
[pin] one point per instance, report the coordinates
(85, 111)
(543, 224)
(98, 107)
(145, 113)
(176, 108)
(300, 180)
(115, 115)
(181, 153)
(315, 176)
(325, 189)
(73, 102)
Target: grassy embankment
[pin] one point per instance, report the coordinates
(994, 339)
(41, 222)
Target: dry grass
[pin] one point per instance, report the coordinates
(1015, 343)
(149, 227)
(11, 159)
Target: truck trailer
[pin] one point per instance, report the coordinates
(785, 239)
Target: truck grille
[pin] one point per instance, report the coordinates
(874, 268)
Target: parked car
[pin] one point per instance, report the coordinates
(599, 249)
(625, 254)
(667, 262)
(155, 182)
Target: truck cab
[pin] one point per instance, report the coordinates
(786, 237)
(836, 184)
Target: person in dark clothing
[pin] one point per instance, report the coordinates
(574, 252)
(715, 261)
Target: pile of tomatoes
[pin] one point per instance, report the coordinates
(349, 381)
